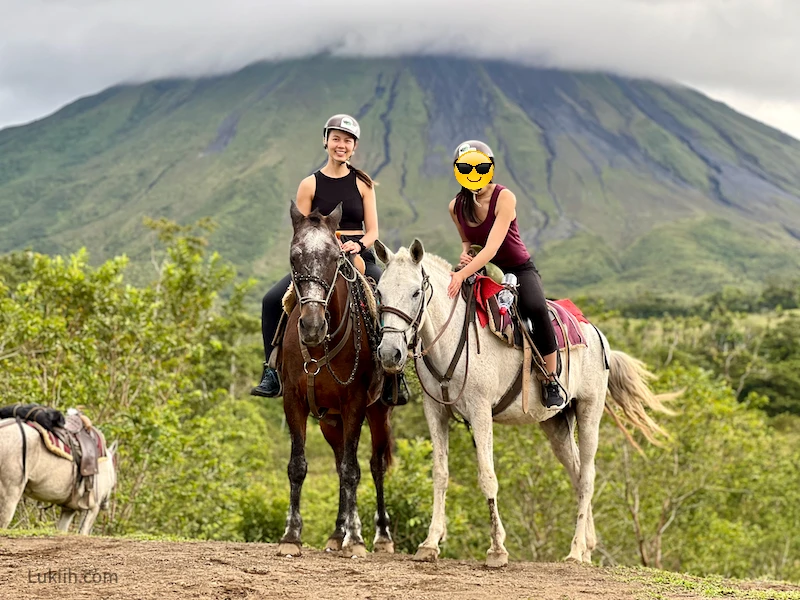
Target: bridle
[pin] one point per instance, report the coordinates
(351, 303)
(415, 344)
(412, 323)
(328, 287)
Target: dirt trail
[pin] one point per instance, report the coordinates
(222, 570)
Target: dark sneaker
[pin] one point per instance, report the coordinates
(387, 397)
(270, 385)
(552, 396)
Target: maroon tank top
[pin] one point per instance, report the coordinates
(512, 252)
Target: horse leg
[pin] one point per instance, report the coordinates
(557, 430)
(380, 429)
(334, 436)
(88, 520)
(437, 418)
(66, 519)
(589, 412)
(297, 419)
(352, 418)
(497, 555)
(10, 496)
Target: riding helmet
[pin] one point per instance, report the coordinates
(472, 145)
(344, 123)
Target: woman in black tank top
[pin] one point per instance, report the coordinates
(337, 182)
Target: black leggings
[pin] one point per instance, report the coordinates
(271, 304)
(532, 305)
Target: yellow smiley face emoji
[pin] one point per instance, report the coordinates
(473, 169)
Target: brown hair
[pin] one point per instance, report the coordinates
(362, 176)
(465, 200)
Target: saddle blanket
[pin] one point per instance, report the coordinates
(563, 310)
(569, 314)
(52, 442)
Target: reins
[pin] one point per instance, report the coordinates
(415, 344)
(352, 309)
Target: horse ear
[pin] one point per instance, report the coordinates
(296, 215)
(334, 217)
(382, 252)
(417, 251)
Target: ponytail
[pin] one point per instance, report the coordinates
(362, 176)
(466, 200)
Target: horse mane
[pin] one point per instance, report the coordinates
(436, 261)
(429, 260)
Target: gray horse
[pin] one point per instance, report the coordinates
(414, 301)
(48, 478)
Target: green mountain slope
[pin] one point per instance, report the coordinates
(622, 185)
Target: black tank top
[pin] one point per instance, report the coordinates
(330, 192)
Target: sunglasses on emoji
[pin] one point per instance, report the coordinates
(466, 168)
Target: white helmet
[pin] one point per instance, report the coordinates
(344, 123)
(473, 145)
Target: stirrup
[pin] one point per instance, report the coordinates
(564, 400)
(555, 380)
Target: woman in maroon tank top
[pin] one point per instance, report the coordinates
(488, 218)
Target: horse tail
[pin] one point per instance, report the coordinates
(628, 389)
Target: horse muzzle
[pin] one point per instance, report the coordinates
(313, 327)
(392, 357)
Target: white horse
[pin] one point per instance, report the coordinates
(425, 309)
(48, 478)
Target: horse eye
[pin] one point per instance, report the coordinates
(417, 293)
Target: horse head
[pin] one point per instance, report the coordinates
(315, 257)
(403, 290)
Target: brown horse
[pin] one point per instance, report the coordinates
(334, 375)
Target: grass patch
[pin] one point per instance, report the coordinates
(51, 531)
(660, 585)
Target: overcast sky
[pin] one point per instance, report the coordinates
(743, 52)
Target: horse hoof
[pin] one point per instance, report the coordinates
(355, 551)
(572, 559)
(333, 545)
(495, 560)
(287, 549)
(426, 555)
(383, 548)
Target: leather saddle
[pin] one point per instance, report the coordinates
(84, 436)
(512, 329)
(85, 441)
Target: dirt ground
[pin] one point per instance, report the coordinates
(71, 567)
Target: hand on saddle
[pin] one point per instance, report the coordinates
(456, 279)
